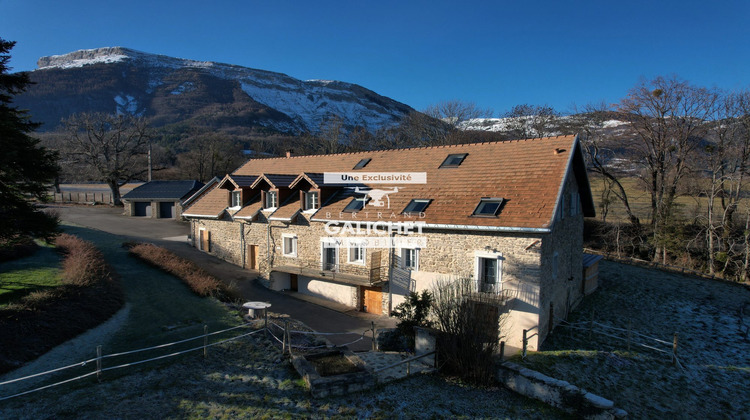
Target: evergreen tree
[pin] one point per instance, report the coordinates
(26, 168)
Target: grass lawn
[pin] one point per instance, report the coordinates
(23, 276)
(162, 308)
(712, 345)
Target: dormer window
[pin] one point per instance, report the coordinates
(362, 163)
(488, 207)
(236, 198)
(311, 200)
(356, 204)
(272, 199)
(453, 160)
(417, 205)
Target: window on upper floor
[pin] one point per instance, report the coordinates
(417, 205)
(362, 163)
(410, 259)
(488, 207)
(575, 203)
(272, 199)
(357, 254)
(236, 198)
(312, 200)
(453, 160)
(488, 269)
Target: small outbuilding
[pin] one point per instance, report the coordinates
(160, 199)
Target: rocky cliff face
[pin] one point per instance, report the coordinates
(172, 90)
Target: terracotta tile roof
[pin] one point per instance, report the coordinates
(212, 204)
(288, 210)
(250, 209)
(315, 179)
(527, 174)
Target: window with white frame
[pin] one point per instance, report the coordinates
(488, 272)
(272, 199)
(289, 246)
(311, 200)
(410, 259)
(329, 255)
(356, 254)
(237, 198)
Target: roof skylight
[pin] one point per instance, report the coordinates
(417, 205)
(362, 163)
(356, 204)
(488, 207)
(453, 160)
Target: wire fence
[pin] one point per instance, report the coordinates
(627, 337)
(98, 361)
(286, 341)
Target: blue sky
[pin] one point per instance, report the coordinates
(494, 53)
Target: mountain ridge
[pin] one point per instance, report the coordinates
(131, 81)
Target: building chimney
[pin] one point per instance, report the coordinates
(289, 153)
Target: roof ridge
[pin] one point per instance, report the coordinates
(436, 146)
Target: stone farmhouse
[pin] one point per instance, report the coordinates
(354, 228)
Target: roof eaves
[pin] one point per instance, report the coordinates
(505, 229)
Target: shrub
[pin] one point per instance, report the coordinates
(199, 281)
(413, 312)
(469, 323)
(83, 265)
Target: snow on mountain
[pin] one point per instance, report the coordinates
(307, 103)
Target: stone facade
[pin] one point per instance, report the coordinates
(540, 272)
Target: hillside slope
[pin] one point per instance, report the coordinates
(173, 90)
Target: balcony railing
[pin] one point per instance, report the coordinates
(364, 275)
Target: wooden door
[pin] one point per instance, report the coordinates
(205, 240)
(293, 282)
(372, 300)
(252, 257)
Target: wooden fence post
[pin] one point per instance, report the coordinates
(630, 332)
(265, 315)
(525, 342)
(502, 350)
(205, 341)
(283, 342)
(374, 346)
(99, 363)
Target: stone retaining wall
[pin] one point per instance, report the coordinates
(557, 393)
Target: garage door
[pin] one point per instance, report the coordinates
(166, 210)
(142, 209)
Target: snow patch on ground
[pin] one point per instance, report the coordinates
(126, 105)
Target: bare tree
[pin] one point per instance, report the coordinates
(113, 147)
(455, 112)
(530, 121)
(669, 118)
(599, 145)
(209, 155)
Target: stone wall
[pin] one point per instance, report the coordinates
(561, 293)
(557, 393)
(526, 264)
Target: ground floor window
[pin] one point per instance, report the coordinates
(289, 248)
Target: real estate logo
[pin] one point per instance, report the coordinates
(375, 197)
